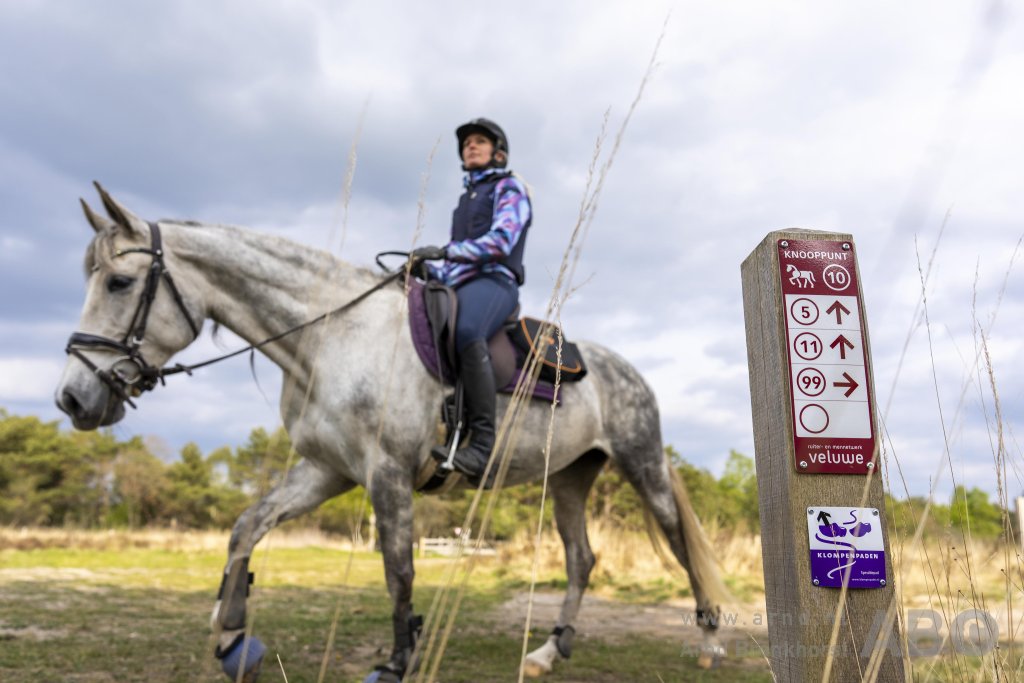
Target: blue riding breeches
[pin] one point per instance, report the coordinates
(485, 302)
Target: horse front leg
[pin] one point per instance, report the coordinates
(304, 488)
(391, 495)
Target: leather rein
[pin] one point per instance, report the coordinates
(130, 374)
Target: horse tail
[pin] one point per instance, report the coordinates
(703, 569)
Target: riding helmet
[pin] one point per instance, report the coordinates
(491, 131)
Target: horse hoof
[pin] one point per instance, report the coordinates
(534, 669)
(253, 650)
(381, 676)
(708, 660)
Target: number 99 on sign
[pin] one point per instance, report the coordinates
(810, 382)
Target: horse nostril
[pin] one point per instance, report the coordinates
(69, 404)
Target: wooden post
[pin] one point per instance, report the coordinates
(800, 614)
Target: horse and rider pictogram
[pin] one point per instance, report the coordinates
(800, 278)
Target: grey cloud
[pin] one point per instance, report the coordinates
(753, 121)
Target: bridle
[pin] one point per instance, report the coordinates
(131, 374)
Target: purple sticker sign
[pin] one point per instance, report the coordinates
(846, 542)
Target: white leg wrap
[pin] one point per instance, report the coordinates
(225, 638)
(711, 651)
(541, 660)
(213, 617)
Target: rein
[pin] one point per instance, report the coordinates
(130, 375)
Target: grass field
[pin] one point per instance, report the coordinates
(98, 607)
(89, 607)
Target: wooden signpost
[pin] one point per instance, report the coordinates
(825, 550)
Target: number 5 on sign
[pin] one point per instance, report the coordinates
(804, 311)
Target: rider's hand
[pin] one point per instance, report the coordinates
(428, 254)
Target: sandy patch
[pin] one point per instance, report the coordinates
(30, 633)
(615, 621)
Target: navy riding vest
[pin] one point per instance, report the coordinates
(474, 215)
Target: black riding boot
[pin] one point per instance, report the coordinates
(478, 384)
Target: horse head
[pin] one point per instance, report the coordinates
(130, 325)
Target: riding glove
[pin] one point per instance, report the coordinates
(428, 254)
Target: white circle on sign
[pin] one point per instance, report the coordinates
(804, 311)
(811, 381)
(836, 277)
(814, 418)
(807, 345)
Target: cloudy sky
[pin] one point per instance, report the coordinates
(879, 119)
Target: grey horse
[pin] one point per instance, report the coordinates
(359, 406)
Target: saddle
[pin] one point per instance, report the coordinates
(442, 306)
(433, 309)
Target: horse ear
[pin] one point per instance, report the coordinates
(119, 214)
(99, 223)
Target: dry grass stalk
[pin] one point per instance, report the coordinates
(953, 576)
(507, 435)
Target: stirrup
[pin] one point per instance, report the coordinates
(444, 457)
(451, 414)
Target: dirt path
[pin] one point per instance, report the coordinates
(612, 621)
(744, 629)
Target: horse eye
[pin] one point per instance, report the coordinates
(117, 283)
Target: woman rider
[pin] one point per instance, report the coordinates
(483, 262)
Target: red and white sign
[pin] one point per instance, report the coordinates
(833, 418)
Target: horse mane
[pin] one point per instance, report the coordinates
(100, 251)
(301, 255)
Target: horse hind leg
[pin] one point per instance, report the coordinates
(569, 488)
(668, 509)
(304, 488)
(633, 430)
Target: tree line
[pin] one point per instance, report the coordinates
(64, 478)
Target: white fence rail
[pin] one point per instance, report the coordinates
(449, 547)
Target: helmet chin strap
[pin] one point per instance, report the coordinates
(491, 163)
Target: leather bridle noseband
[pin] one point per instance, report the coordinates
(130, 375)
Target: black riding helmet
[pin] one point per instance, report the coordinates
(491, 131)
